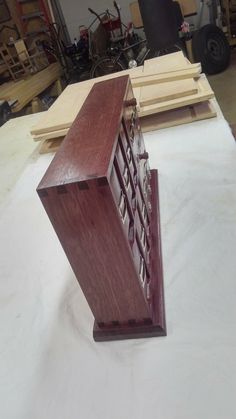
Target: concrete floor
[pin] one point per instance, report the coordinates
(224, 86)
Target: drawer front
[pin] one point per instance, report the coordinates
(128, 152)
(122, 205)
(144, 213)
(139, 263)
(142, 272)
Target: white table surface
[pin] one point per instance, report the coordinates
(50, 367)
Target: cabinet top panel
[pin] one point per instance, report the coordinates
(88, 148)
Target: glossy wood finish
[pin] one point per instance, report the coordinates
(101, 198)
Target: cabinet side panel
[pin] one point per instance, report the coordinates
(89, 228)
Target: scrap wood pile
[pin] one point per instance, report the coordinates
(169, 91)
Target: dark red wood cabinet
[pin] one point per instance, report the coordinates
(102, 200)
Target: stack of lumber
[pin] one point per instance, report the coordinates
(169, 91)
(25, 90)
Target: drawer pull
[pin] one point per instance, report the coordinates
(143, 156)
(130, 102)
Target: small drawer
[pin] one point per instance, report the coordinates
(120, 157)
(143, 208)
(139, 263)
(142, 271)
(142, 232)
(123, 135)
(128, 156)
(125, 216)
(115, 185)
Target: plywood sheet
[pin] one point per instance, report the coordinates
(165, 63)
(167, 91)
(185, 115)
(192, 71)
(63, 112)
(204, 93)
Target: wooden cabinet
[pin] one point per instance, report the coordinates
(102, 200)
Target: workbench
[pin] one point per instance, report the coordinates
(50, 365)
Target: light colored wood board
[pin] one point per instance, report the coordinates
(64, 110)
(146, 80)
(165, 63)
(50, 135)
(189, 66)
(165, 119)
(25, 90)
(204, 93)
(36, 84)
(185, 115)
(205, 110)
(66, 107)
(136, 15)
(10, 89)
(180, 116)
(167, 91)
(50, 146)
(188, 7)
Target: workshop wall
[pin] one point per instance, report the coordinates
(76, 13)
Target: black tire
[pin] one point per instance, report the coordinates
(211, 48)
(106, 65)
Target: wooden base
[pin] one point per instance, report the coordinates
(158, 325)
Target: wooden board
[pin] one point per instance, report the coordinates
(175, 117)
(136, 15)
(167, 91)
(185, 115)
(188, 7)
(63, 112)
(25, 90)
(50, 146)
(65, 109)
(50, 135)
(165, 63)
(204, 93)
(191, 71)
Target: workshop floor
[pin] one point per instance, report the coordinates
(224, 86)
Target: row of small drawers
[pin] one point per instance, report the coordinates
(130, 187)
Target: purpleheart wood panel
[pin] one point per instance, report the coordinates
(90, 230)
(102, 201)
(90, 143)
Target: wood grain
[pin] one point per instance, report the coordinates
(185, 115)
(63, 112)
(163, 92)
(204, 93)
(101, 199)
(25, 90)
